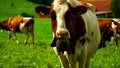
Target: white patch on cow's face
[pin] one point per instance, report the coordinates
(60, 7)
(113, 25)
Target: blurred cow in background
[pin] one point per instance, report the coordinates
(76, 33)
(110, 30)
(19, 24)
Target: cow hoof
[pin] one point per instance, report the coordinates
(17, 42)
(116, 48)
(25, 42)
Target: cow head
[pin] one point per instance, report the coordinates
(60, 12)
(116, 24)
(1, 27)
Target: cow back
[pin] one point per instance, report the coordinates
(28, 21)
(15, 22)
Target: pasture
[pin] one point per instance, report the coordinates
(20, 7)
(41, 55)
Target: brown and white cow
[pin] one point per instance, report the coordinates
(19, 24)
(110, 29)
(76, 33)
(116, 31)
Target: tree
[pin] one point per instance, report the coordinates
(44, 2)
(47, 2)
(115, 7)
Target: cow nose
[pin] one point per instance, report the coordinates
(63, 34)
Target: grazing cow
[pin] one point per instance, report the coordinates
(19, 24)
(109, 29)
(116, 31)
(76, 33)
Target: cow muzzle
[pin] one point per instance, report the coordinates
(62, 34)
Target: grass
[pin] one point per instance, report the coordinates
(107, 57)
(20, 6)
(41, 55)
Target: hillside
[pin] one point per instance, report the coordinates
(16, 7)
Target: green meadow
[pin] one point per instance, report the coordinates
(40, 54)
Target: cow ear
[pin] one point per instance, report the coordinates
(79, 10)
(42, 10)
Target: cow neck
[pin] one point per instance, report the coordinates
(76, 27)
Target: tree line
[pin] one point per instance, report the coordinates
(115, 8)
(44, 2)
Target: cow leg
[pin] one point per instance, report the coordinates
(67, 61)
(117, 43)
(31, 30)
(27, 37)
(117, 37)
(112, 40)
(63, 60)
(72, 63)
(9, 36)
(15, 38)
(116, 40)
(32, 34)
(72, 58)
(87, 63)
(82, 59)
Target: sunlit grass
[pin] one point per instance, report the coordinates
(41, 55)
(38, 55)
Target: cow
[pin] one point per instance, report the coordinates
(18, 24)
(116, 31)
(76, 33)
(110, 30)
